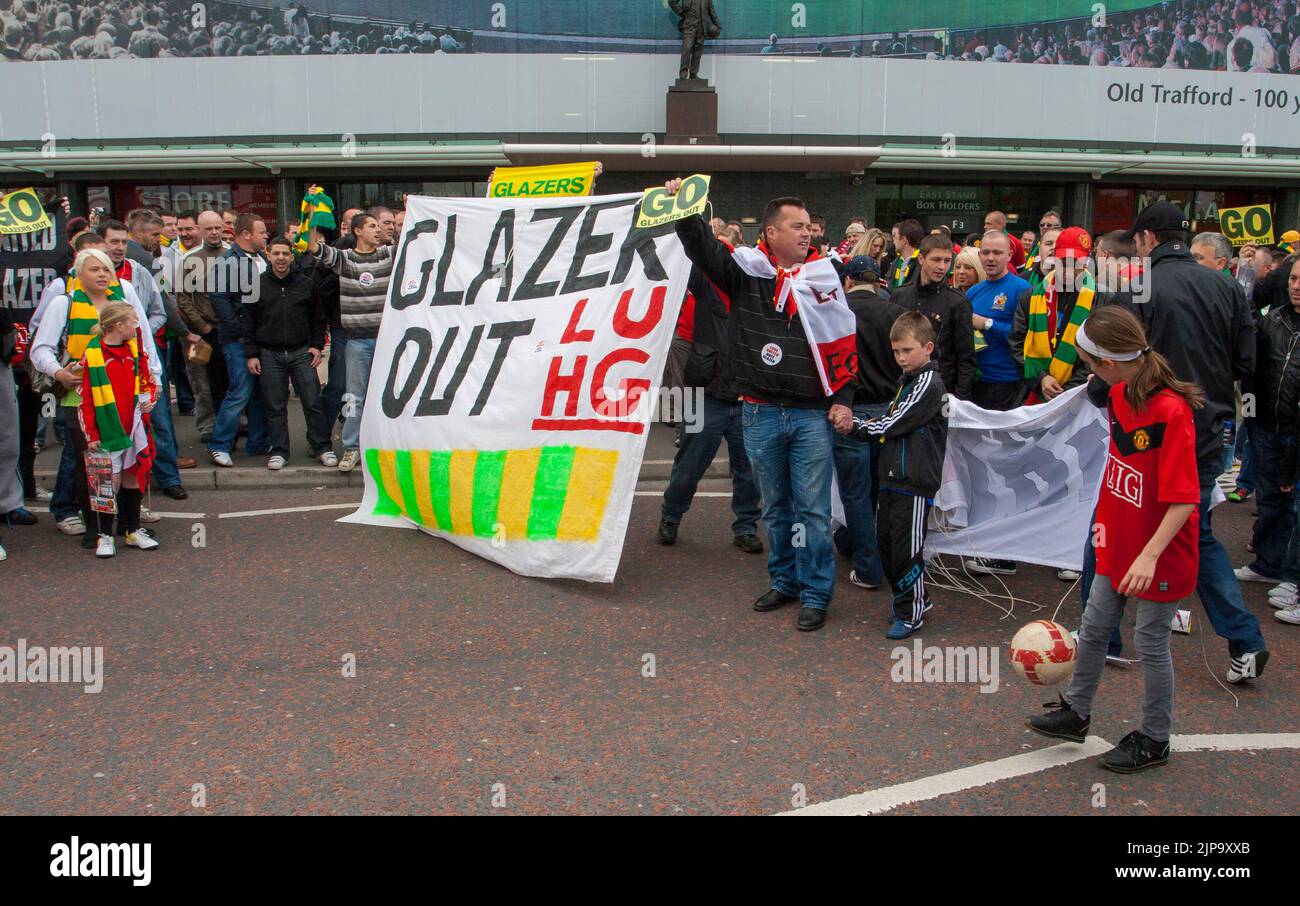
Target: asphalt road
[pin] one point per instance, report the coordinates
(224, 666)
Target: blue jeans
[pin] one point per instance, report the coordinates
(791, 450)
(694, 456)
(854, 468)
(65, 501)
(1272, 533)
(1291, 571)
(164, 435)
(1219, 589)
(331, 397)
(176, 367)
(360, 354)
(242, 393)
(1246, 475)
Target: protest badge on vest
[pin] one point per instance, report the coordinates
(21, 211)
(658, 207)
(551, 181)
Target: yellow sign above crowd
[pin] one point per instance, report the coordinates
(1252, 223)
(658, 207)
(551, 181)
(21, 211)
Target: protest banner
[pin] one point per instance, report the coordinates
(1021, 485)
(514, 377)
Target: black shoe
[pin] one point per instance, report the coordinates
(1060, 722)
(667, 532)
(772, 600)
(811, 619)
(90, 540)
(748, 543)
(1134, 753)
(176, 492)
(21, 516)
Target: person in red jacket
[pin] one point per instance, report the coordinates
(117, 394)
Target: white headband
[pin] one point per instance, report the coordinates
(1082, 340)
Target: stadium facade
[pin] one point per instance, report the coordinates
(875, 108)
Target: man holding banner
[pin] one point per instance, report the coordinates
(795, 364)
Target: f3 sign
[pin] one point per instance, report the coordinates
(1252, 223)
(658, 207)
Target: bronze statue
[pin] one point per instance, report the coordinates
(697, 22)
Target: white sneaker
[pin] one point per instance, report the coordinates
(72, 525)
(148, 516)
(142, 540)
(42, 494)
(1282, 590)
(1282, 602)
(106, 548)
(4, 554)
(221, 459)
(853, 577)
(1290, 615)
(349, 460)
(275, 463)
(328, 459)
(1246, 574)
(1068, 575)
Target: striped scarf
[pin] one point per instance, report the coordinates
(903, 269)
(112, 435)
(83, 315)
(317, 211)
(1043, 352)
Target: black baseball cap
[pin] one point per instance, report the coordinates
(1163, 215)
(861, 266)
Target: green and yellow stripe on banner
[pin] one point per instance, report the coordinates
(537, 494)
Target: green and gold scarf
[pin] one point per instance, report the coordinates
(1043, 353)
(112, 435)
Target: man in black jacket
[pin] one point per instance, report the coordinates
(708, 370)
(856, 460)
(1272, 431)
(283, 340)
(949, 313)
(1202, 324)
(788, 420)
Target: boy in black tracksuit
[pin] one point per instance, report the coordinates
(913, 435)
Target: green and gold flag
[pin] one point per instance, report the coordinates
(317, 211)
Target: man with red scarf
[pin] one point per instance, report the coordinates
(796, 393)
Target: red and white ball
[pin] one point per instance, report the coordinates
(1043, 652)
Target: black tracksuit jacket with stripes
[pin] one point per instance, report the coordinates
(914, 435)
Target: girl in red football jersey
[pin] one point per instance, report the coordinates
(1146, 532)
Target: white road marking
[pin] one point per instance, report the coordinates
(873, 802)
(291, 509)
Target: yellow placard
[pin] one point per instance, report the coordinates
(1252, 223)
(552, 181)
(21, 211)
(658, 207)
